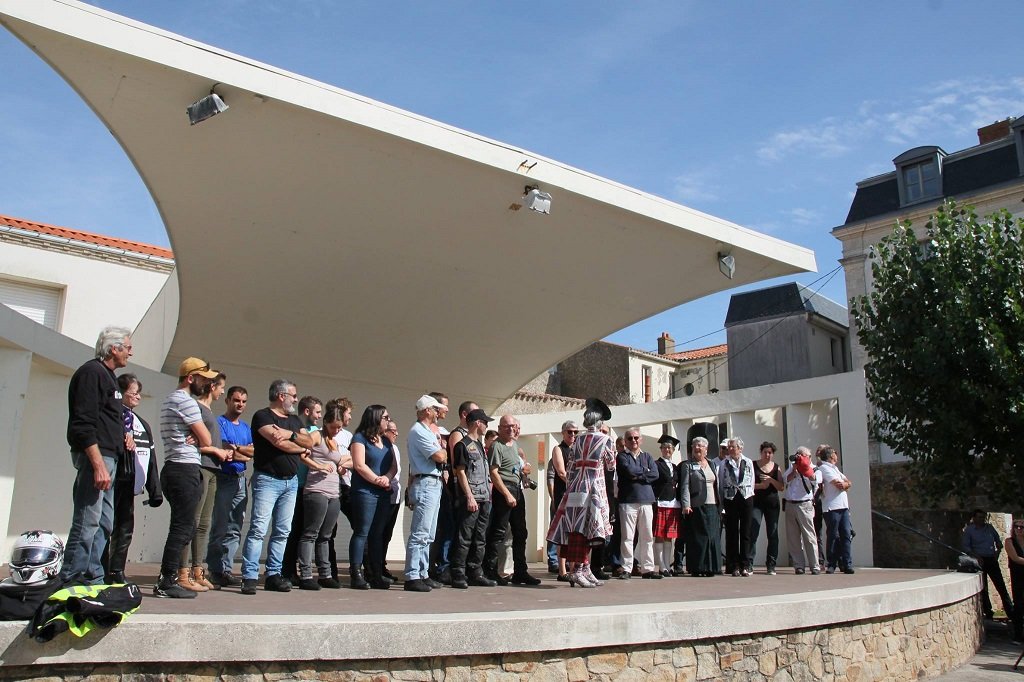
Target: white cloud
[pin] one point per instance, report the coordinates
(933, 113)
(804, 216)
(694, 187)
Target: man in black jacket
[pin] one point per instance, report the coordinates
(97, 438)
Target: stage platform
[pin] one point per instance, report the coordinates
(882, 623)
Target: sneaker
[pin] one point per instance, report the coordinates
(524, 579)
(416, 586)
(815, 571)
(329, 583)
(277, 583)
(770, 570)
(309, 584)
(165, 589)
(224, 580)
(481, 581)
(249, 585)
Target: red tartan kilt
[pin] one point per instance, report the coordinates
(666, 522)
(578, 549)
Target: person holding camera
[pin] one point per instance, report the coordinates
(508, 506)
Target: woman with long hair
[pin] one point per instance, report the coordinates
(321, 502)
(373, 466)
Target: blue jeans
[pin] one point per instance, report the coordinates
(840, 539)
(425, 494)
(226, 526)
(273, 503)
(91, 523)
(369, 516)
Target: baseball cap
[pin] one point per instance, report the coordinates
(196, 366)
(478, 415)
(427, 401)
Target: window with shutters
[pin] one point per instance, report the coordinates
(36, 301)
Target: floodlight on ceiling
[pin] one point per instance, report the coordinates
(726, 265)
(205, 108)
(535, 200)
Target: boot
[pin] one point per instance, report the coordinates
(356, 580)
(185, 580)
(199, 578)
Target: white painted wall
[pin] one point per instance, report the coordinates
(96, 292)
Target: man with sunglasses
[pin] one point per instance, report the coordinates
(556, 489)
(637, 472)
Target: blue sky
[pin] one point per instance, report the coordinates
(765, 114)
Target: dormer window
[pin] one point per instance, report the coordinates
(919, 174)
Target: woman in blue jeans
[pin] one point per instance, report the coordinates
(373, 467)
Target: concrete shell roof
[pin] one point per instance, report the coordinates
(329, 208)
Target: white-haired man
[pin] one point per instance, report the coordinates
(97, 438)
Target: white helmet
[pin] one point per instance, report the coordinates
(37, 556)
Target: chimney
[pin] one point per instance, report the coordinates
(666, 344)
(995, 131)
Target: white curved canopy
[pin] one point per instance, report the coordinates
(328, 208)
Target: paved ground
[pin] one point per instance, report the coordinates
(550, 594)
(994, 661)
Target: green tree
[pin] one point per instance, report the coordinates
(944, 332)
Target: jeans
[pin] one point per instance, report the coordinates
(504, 517)
(273, 502)
(91, 523)
(321, 516)
(770, 515)
(425, 495)
(226, 526)
(182, 485)
(442, 545)
(369, 517)
(840, 539)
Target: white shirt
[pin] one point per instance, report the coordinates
(795, 490)
(832, 497)
(344, 440)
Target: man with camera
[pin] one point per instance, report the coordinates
(508, 506)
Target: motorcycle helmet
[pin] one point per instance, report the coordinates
(37, 556)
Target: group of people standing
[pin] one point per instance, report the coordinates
(614, 504)
(465, 488)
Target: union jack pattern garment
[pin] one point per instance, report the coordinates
(584, 507)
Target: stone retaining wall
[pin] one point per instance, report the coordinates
(901, 647)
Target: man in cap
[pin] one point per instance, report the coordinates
(96, 435)
(183, 433)
(472, 503)
(427, 456)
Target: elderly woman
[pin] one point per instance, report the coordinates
(736, 483)
(581, 520)
(698, 496)
(667, 510)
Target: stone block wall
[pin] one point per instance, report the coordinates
(903, 647)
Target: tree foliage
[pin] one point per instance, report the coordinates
(944, 332)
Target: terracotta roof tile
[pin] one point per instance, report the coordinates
(88, 237)
(700, 353)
